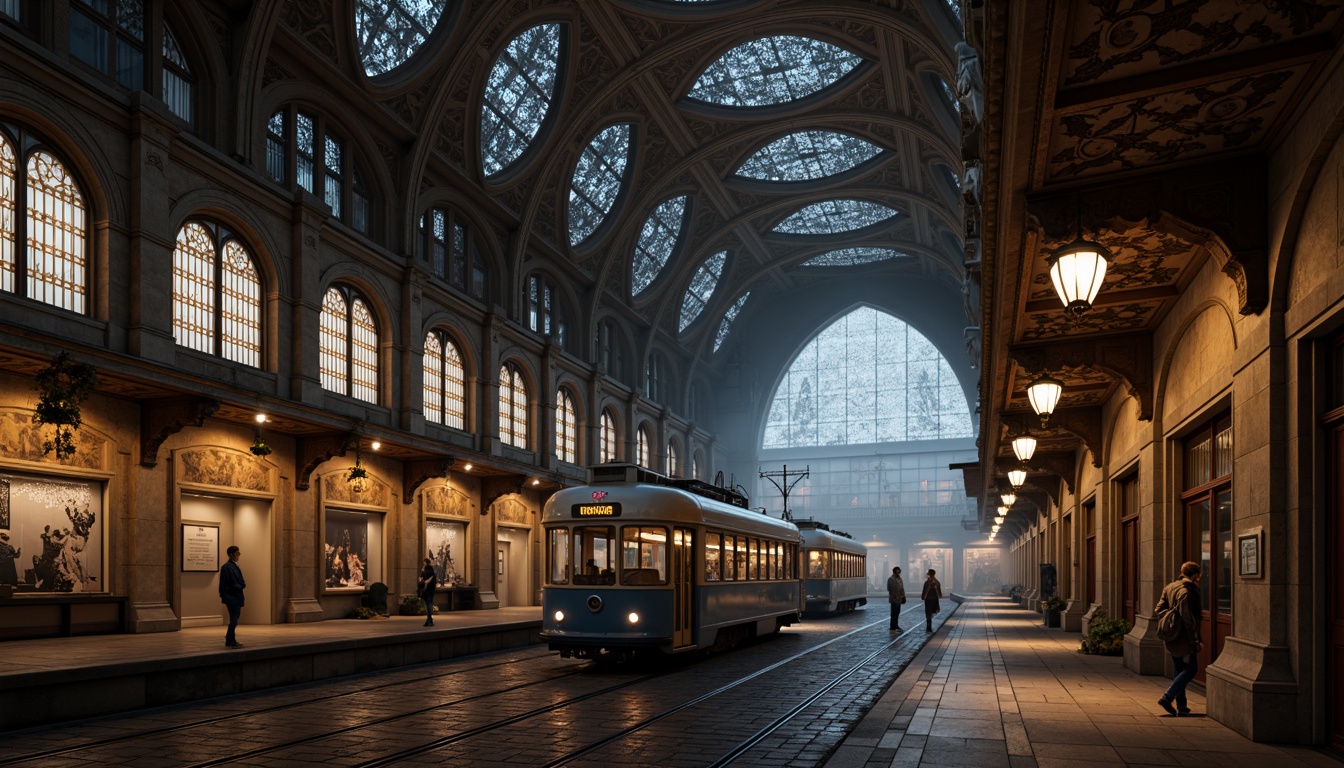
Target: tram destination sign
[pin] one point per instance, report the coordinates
(598, 509)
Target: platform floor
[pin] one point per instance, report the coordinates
(994, 688)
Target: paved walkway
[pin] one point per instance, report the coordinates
(994, 688)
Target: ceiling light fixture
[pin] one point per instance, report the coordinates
(1017, 478)
(1008, 499)
(1078, 270)
(1044, 394)
(1024, 447)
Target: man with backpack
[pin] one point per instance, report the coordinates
(1177, 616)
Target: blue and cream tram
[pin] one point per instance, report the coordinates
(636, 561)
(835, 569)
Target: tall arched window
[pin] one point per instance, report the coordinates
(445, 399)
(512, 407)
(643, 447)
(698, 465)
(177, 79)
(566, 428)
(349, 345)
(448, 251)
(216, 294)
(606, 442)
(545, 313)
(610, 354)
(42, 217)
(655, 384)
(305, 148)
(673, 459)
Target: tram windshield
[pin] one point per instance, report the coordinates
(644, 555)
(594, 554)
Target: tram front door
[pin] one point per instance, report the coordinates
(683, 583)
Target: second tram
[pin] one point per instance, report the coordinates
(835, 569)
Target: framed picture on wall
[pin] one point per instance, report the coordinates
(200, 546)
(1249, 556)
(352, 549)
(445, 546)
(52, 531)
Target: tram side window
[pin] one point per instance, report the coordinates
(753, 559)
(776, 567)
(814, 564)
(741, 556)
(644, 558)
(729, 546)
(594, 554)
(713, 556)
(557, 548)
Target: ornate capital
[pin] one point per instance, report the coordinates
(162, 418)
(414, 474)
(314, 450)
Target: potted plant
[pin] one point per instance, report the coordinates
(61, 389)
(1105, 636)
(1051, 609)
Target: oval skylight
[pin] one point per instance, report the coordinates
(391, 31)
(728, 318)
(808, 155)
(702, 286)
(597, 181)
(850, 257)
(773, 70)
(518, 95)
(830, 217)
(657, 240)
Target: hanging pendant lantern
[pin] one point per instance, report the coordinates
(1007, 499)
(1017, 478)
(1078, 270)
(1024, 447)
(1044, 394)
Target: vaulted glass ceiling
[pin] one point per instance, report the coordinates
(831, 217)
(849, 257)
(518, 96)
(597, 180)
(808, 155)
(657, 240)
(728, 318)
(773, 70)
(390, 32)
(702, 287)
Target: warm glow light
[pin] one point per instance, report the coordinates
(998, 520)
(535, 481)
(633, 617)
(376, 445)
(1044, 394)
(559, 616)
(1017, 477)
(1008, 499)
(467, 468)
(261, 418)
(1003, 510)
(1077, 270)
(1024, 447)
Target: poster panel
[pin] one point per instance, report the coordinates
(52, 537)
(445, 546)
(200, 547)
(347, 540)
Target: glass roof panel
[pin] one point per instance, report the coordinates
(728, 318)
(830, 217)
(391, 31)
(808, 155)
(950, 99)
(656, 242)
(518, 96)
(849, 257)
(597, 181)
(773, 70)
(701, 289)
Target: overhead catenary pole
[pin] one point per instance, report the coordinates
(785, 486)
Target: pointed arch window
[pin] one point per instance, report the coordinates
(728, 317)
(598, 180)
(702, 286)
(304, 147)
(390, 32)
(44, 237)
(512, 407)
(673, 460)
(808, 156)
(833, 217)
(566, 427)
(445, 390)
(643, 447)
(518, 96)
(658, 240)
(607, 439)
(216, 294)
(349, 345)
(449, 251)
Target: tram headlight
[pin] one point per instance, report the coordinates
(559, 616)
(633, 618)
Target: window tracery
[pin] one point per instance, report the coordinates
(807, 156)
(444, 387)
(518, 96)
(545, 314)
(566, 427)
(348, 345)
(832, 217)
(658, 240)
(773, 70)
(643, 443)
(702, 286)
(177, 79)
(598, 180)
(728, 317)
(44, 246)
(449, 252)
(302, 147)
(390, 32)
(512, 407)
(216, 294)
(850, 257)
(607, 439)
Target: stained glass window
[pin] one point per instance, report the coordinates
(702, 286)
(176, 77)
(867, 378)
(773, 70)
(808, 155)
(657, 240)
(566, 428)
(597, 181)
(216, 294)
(46, 260)
(391, 31)
(512, 407)
(728, 318)
(643, 441)
(830, 217)
(9, 183)
(444, 387)
(849, 257)
(348, 345)
(607, 439)
(518, 95)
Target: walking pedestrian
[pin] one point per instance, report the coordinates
(231, 587)
(428, 581)
(896, 595)
(1182, 597)
(932, 592)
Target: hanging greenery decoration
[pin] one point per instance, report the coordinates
(357, 476)
(259, 446)
(62, 387)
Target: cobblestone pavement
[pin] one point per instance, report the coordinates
(525, 707)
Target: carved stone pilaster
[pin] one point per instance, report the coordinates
(1128, 357)
(415, 473)
(165, 417)
(314, 450)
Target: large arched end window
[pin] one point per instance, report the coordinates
(349, 345)
(445, 390)
(566, 427)
(307, 149)
(644, 447)
(673, 459)
(512, 407)
(606, 443)
(216, 294)
(44, 231)
(448, 250)
(867, 378)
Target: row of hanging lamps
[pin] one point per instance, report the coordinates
(1044, 394)
(1008, 499)
(1024, 447)
(1016, 478)
(1078, 270)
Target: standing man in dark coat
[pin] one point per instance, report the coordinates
(933, 590)
(896, 595)
(231, 587)
(428, 581)
(8, 554)
(1182, 596)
